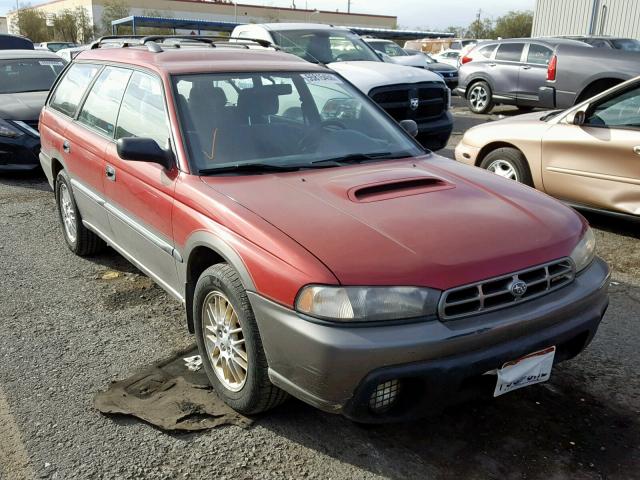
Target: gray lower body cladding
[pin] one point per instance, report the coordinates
(336, 368)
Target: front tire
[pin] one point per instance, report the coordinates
(229, 342)
(79, 238)
(480, 98)
(509, 163)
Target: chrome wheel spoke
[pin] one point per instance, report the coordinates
(225, 341)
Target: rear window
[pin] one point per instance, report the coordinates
(29, 74)
(510, 52)
(539, 55)
(71, 88)
(485, 51)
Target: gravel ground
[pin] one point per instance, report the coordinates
(69, 326)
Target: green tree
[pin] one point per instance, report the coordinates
(481, 29)
(113, 10)
(65, 27)
(31, 23)
(515, 24)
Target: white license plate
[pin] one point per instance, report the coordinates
(528, 370)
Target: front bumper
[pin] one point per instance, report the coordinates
(434, 134)
(19, 153)
(466, 153)
(336, 368)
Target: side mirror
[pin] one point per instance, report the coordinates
(410, 126)
(579, 117)
(144, 150)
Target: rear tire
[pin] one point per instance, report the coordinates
(509, 163)
(79, 239)
(480, 97)
(230, 343)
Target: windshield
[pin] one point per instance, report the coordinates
(54, 47)
(626, 44)
(282, 119)
(29, 75)
(390, 49)
(325, 46)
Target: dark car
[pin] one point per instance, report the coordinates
(616, 43)
(540, 72)
(25, 79)
(448, 73)
(15, 42)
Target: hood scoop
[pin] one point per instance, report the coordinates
(402, 187)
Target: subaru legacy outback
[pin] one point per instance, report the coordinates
(318, 249)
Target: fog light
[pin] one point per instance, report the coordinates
(384, 396)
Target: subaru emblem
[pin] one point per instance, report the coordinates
(518, 288)
(415, 103)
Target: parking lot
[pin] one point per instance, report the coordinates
(69, 326)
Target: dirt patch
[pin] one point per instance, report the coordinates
(171, 397)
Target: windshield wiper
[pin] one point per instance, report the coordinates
(250, 168)
(363, 157)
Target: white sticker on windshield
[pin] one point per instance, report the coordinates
(51, 63)
(320, 77)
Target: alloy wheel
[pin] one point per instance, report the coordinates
(479, 97)
(224, 341)
(68, 212)
(504, 169)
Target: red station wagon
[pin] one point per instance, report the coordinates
(318, 250)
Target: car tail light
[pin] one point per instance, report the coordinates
(466, 59)
(551, 69)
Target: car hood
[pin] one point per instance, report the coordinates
(441, 67)
(428, 222)
(410, 60)
(368, 75)
(22, 106)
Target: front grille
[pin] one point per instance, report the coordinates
(432, 100)
(498, 292)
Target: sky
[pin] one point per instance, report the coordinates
(434, 14)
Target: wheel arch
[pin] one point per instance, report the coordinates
(204, 250)
(596, 86)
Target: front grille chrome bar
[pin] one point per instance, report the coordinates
(506, 290)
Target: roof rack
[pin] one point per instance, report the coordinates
(152, 41)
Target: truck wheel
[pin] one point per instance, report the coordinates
(508, 163)
(480, 98)
(229, 342)
(79, 238)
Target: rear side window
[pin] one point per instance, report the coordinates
(142, 113)
(72, 87)
(539, 55)
(100, 110)
(486, 51)
(510, 52)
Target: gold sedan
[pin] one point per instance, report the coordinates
(588, 155)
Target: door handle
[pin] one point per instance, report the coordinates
(636, 149)
(110, 172)
(66, 146)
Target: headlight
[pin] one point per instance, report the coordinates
(365, 304)
(8, 130)
(585, 251)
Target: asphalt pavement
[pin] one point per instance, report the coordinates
(70, 326)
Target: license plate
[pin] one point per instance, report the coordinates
(525, 371)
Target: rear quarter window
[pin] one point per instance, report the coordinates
(71, 88)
